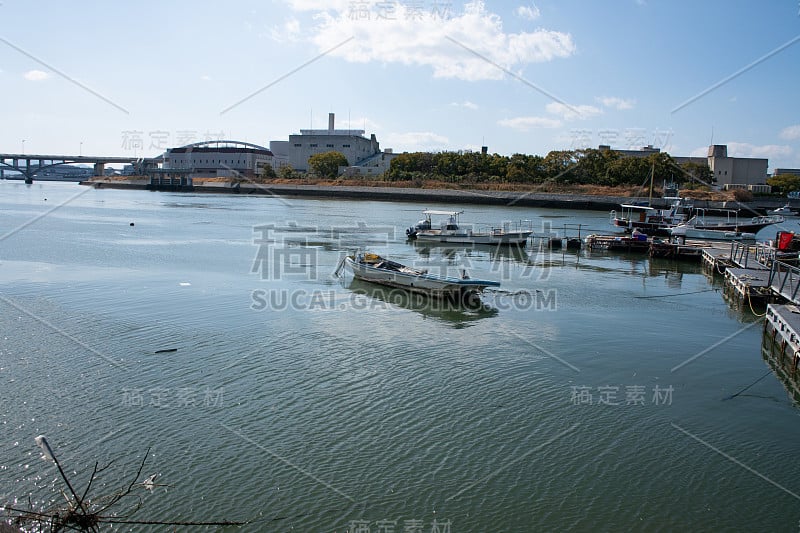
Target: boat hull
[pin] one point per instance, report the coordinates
(513, 238)
(664, 230)
(712, 235)
(418, 281)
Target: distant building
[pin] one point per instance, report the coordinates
(728, 171)
(359, 150)
(779, 171)
(213, 159)
(644, 151)
(735, 170)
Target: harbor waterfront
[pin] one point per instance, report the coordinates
(591, 391)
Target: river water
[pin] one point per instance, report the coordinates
(589, 393)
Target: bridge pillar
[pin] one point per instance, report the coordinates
(99, 169)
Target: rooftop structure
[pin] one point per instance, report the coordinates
(779, 171)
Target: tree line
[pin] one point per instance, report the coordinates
(587, 166)
(566, 167)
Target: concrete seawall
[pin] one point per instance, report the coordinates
(439, 196)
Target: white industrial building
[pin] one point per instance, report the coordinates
(731, 172)
(213, 159)
(360, 151)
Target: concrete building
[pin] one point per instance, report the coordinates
(359, 150)
(734, 171)
(213, 159)
(729, 172)
(645, 151)
(792, 171)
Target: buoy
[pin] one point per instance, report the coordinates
(131, 223)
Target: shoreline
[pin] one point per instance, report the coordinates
(430, 196)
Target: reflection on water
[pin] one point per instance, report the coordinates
(443, 310)
(782, 364)
(493, 253)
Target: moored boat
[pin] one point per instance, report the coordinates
(691, 230)
(451, 232)
(785, 210)
(376, 269)
(650, 220)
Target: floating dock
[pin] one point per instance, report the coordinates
(617, 243)
(781, 345)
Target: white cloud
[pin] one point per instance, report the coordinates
(205, 77)
(36, 75)
(445, 42)
(616, 103)
(320, 5)
(790, 133)
(526, 123)
(736, 149)
(529, 12)
(358, 123)
(416, 140)
(466, 103)
(288, 32)
(573, 112)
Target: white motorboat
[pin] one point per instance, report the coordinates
(692, 229)
(451, 232)
(785, 210)
(376, 269)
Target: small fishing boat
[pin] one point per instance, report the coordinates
(451, 232)
(650, 220)
(376, 269)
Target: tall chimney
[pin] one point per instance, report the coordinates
(330, 122)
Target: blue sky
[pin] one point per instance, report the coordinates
(124, 78)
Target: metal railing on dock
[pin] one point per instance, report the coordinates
(751, 255)
(784, 279)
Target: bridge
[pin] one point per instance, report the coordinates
(30, 164)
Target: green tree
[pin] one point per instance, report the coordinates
(559, 164)
(785, 182)
(326, 165)
(267, 172)
(696, 172)
(286, 172)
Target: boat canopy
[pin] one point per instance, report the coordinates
(634, 206)
(444, 213)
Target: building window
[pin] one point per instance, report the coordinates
(345, 146)
(328, 146)
(298, 145)
(312, 145)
